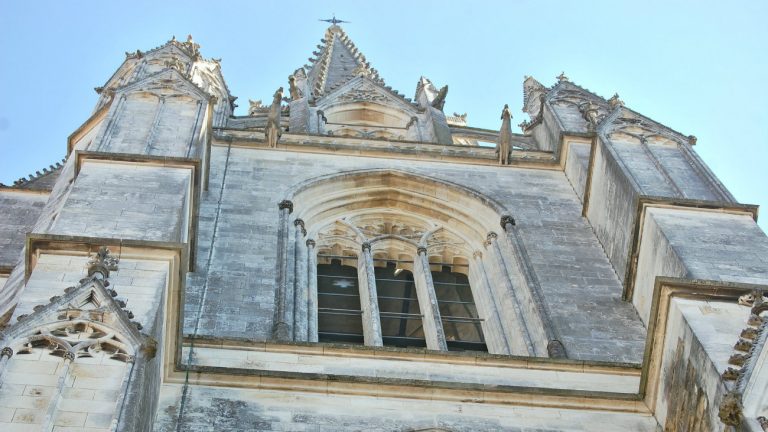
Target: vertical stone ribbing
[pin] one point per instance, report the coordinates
(554, 347)
(311, 291)
(430, 310)
(53, 406)
(300, 294)
(155, 124)
(493, 327)
(369, 301)
(282, 327)
(519, 338)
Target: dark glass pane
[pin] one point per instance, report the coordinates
(399, 307)
(339, 317)
(461, 322)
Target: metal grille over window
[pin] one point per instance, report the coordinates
(338, 300)
(401, 324)
(461, 322)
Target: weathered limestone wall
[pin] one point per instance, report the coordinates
(611, 208)
(212, 408)
(577, 281)
(127, 201)
(690, 386)
(19, 211)
(577, 166)
(698, 245)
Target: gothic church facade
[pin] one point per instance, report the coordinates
(347, 258)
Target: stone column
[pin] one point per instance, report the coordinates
(311, 291)
(430, 310)
(282, 329)
(369, 300)
(555, 348)
(5, 356)
(300, 295)
(493, 327)
(520, 339)
(53, 406)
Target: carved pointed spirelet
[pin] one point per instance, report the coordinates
(504, 144)
(273, 130)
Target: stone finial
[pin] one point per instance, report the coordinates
(421, 250)
(102, 263)
(614, 101)
(506, 219)
(311, 243)
(286, 204)
(562, 77)
(504, 144)
(730, 409)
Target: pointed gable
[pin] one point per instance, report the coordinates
(337, 62)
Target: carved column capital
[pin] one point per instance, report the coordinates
(7, 351)
(366, 246)
(286, 204)
(311, 243)
(421, 250)
(300, 223)
(506, 219)
(69, 355)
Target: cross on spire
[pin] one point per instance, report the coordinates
(333, 20)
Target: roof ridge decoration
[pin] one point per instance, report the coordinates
(32, 178)
(323, 63)
(189, 48)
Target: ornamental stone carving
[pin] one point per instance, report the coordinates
(286, 204)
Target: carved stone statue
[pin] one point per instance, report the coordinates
(294, 89)
(591, 115)
(439, 100)
(273, 131)
(505, 136)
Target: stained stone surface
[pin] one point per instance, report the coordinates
(578, 282)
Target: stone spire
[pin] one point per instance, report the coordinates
(337, 61)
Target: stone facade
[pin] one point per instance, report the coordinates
(171, 273)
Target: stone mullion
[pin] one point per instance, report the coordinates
(554, 346)
(282, 328)
(369, 300)
(517, 330)
(300, 294)
(430, 309)
(311, 291)
(493, 327)
(53, 406)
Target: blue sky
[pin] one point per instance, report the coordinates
(696, 66)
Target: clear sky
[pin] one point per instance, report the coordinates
(696, 66)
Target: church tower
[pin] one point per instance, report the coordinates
(347, 258)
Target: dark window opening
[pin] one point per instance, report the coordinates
(339, 317)
(401, 324)
(461, 322)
